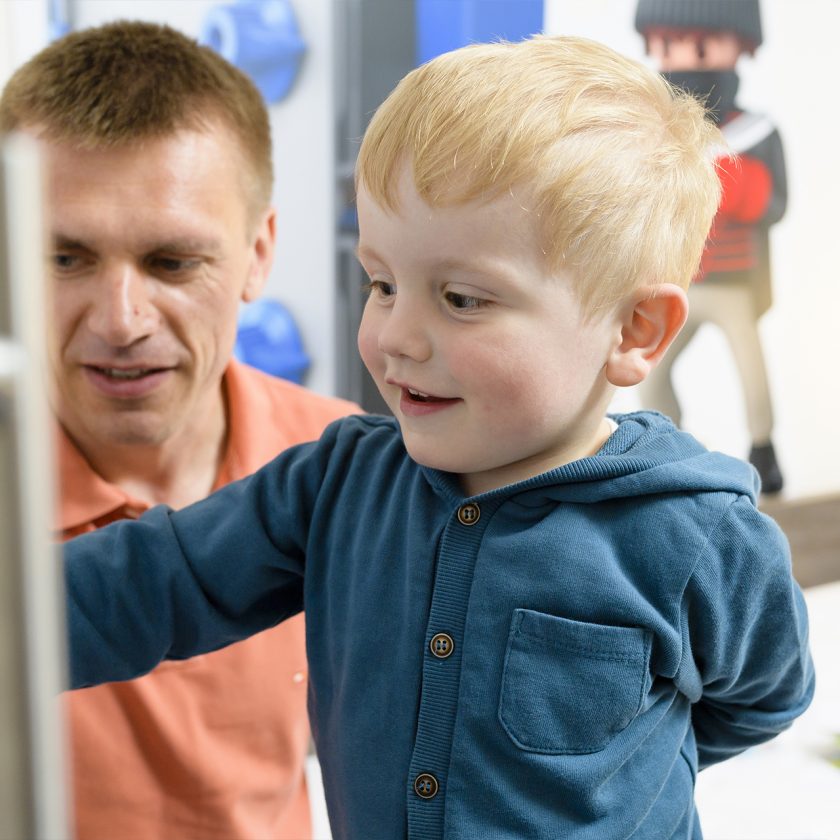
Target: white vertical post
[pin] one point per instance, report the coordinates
(32, 772)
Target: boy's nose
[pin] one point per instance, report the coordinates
(122, 312)
(404, 333)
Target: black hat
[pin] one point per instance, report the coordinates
(739, 16)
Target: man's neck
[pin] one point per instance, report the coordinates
(177, 472)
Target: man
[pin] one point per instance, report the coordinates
(159, 176)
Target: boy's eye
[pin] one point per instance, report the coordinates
(380, 288)
(463, 302)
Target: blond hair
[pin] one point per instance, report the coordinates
(614, 163)
(128, 81)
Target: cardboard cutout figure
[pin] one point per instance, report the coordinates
(696, 44)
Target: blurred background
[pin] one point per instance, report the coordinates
(324, 66)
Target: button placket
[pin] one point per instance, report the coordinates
(456, 556)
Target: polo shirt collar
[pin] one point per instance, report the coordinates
(83, 495)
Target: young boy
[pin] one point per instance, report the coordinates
(524, 618)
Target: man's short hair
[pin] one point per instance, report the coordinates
(128, 81)
(615, 165)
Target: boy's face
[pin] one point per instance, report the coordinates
(481, 353)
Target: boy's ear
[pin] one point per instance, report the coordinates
(650, 321)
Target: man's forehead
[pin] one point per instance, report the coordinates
(207, 164)
(72, 238)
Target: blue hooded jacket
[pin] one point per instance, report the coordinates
(556, 658)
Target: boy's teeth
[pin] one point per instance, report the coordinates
(418, 395)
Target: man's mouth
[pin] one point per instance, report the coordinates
(125, 374)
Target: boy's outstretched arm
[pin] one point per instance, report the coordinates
(746, 627)
(176, 584)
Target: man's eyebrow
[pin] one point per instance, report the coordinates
(68, 243)
(185, 245)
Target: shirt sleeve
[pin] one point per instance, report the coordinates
(747, 629)
(171, 585)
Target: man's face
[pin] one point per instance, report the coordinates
(484, 357)
(151, 252)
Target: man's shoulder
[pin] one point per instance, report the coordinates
(283, 401)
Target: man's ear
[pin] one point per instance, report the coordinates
(650, 321)
(262, 255)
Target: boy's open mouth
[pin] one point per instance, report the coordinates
(419, 396)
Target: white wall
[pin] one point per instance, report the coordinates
(302, 125)
(792, 78)
(23, 31)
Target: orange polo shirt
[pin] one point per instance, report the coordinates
(211, 747)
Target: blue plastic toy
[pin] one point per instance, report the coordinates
(444, 25)
(261, 38)
(268, 339)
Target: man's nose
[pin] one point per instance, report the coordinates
(122, 312)
(405, 332)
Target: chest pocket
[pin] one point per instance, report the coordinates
(569, 686)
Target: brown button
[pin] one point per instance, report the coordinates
(469, 514)
(426, 786)
(442, 645)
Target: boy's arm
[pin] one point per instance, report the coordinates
(747, 631)
(175, 584)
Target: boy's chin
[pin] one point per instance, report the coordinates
(431, 456)
(456, 461)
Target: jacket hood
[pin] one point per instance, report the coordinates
(646, 455)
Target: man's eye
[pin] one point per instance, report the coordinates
(65, 262)
(464, 302)
(173, 265)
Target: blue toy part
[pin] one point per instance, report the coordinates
(268, 339)
(58, 13)
(444, 25)
(261, 38)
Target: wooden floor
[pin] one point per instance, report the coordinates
(813, 528)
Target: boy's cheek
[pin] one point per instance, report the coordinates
(369, 351)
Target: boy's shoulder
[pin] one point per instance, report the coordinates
(365, 425)
(366, 438)
(664, 458)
